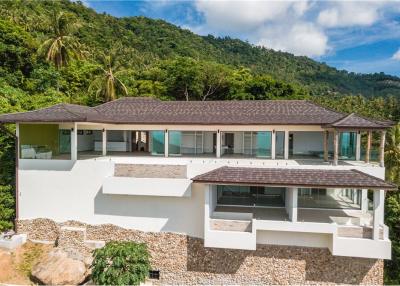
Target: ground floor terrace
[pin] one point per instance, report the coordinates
(86, 141)
(247, 206)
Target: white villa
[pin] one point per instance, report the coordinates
(245, 178)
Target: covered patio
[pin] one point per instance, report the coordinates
(317, 196)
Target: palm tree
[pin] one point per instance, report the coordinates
(107, 85)
(392, 154)
(62, 45)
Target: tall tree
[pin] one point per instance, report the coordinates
(63, 44)
(107, 85)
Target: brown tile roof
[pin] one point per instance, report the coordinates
(294, 178)
(131, 110)
(355, 121)
(62, 112)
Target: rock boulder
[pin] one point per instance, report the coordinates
(58, 268)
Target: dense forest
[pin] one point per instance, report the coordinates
(62, 51)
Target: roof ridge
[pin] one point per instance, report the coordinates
(73, 113)
(325, 107)
(343, 118)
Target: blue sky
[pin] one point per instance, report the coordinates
(359, 36)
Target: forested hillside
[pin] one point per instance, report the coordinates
(61, 51)
(147, 40)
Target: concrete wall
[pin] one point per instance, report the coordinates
(76, 194)
(294, 238)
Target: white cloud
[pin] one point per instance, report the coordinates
(351, 13)
(242, 15)
(299, 39)
(396, 55)
(303, 27)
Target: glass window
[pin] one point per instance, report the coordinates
(44, 141)
(175, 142)
(250, 196)
(157, 142)
(263, 147)
(329, 198)
(347, 145)
(279, 144)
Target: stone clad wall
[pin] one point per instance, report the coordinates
(185, 260)
(150, 171)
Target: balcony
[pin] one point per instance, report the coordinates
(337, 220)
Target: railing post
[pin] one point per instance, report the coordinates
(382, 149)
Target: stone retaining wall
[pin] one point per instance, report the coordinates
(185, 260)
(150, 171)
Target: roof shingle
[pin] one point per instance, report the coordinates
(131, 110)
(294, 177)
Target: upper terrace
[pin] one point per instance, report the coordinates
(270, 130)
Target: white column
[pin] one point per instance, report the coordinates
(335, 148)
(358, 146)
(104, 142)
(74, 142)
(382, 149)
(218, 148)
(18, 142)
(364, 200)
(379, 199)
(286, 152)
(291, 203)
(166, 143)
(273, 145)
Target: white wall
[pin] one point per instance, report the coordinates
(307, 141)
(294, 238)
(77, 195)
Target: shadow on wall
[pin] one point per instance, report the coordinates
(280, 265)
(159, 213)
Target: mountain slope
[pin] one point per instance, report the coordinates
(158, 39)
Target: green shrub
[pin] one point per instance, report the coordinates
(120, 263)
(6, 207)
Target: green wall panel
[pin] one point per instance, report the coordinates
(40, 135)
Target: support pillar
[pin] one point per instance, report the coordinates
(166, 143)
(379, 199)
(104, 142)
(286, 151)
(368, 151)
(218, 147)
(291, 198)
(364, 200)
(74, 142)
(17, 147)
(326, 138)
(273, 145)
(335, 147)
(358, 146)
(382, 149)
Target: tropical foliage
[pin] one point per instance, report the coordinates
(121, 263)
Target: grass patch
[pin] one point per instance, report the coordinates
(31, 254)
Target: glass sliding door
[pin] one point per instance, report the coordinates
(175, 143)
(280, 144)
(347, 145)
(157, 142)
(263, 144)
